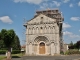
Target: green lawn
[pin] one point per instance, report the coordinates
(2, 57)
(13, 56)
(17, 55)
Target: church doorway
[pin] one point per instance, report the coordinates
(42, 48)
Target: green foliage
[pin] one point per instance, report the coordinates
(75, 45)
(0, 35)
(9, 39)
(2, 57)
(2, 46)
(78, 44)
(16, 51)
(16, 43)
(62, 52)
(13, 52)
(72, 51)
(71, 45)
(3, 51)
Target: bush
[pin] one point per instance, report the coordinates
(2, 51)
(62, 52)
(15, 51)
(72, 51)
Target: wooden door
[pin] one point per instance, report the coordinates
(42, 48)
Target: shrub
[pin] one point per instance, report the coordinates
(15, 51)
(72, 51)
(2, 51)
(62, 52)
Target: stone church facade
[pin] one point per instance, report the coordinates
(44, 33)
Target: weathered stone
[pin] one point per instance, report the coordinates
(43, 36)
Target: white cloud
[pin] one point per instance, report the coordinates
(70, 34)
(67, 33)
(56, 3)
(75, 18)
(66, 25)
(44, 5)
(79, 3)
(79, 30)
(30, 1)
(65, 1)
(6, 19)
(71, 5)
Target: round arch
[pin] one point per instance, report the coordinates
(41, 38)
(41, 42)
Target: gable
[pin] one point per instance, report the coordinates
(41, 18)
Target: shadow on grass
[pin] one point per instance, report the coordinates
(16, 57)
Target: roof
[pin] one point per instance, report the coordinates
(24, 46)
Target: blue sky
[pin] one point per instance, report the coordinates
(13, 13)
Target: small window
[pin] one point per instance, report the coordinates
(41, 17)
(41, 27)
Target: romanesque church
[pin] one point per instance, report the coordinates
(44, 33)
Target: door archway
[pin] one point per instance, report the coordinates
(42, 48)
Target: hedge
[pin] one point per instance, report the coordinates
(72, 51)
(3, 51)
(13, 52)
(16, 51)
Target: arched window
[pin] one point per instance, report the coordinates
(41, 29)
(37, 30)
(33, 30)
(29, 29)
(49, 29)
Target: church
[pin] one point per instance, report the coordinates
(44, 34)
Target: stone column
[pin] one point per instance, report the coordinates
(47, 49)
(55, 48)
(37, 52)
(52, 49)
(26, 49)
(30, 49)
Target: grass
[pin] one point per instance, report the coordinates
(2, 57)
(13, 56)
(17, 55)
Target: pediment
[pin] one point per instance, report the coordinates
(41, 19)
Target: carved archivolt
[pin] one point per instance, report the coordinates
(41, 38)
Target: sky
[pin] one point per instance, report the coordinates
(14, 13)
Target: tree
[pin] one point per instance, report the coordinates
(16, 43)
(0, 35)
(75, 46)
(78, 44)
(71, 45)
(8, 37)
(2, 46)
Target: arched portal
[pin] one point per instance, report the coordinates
(41, 38)
(42, 48)
(40, 44)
